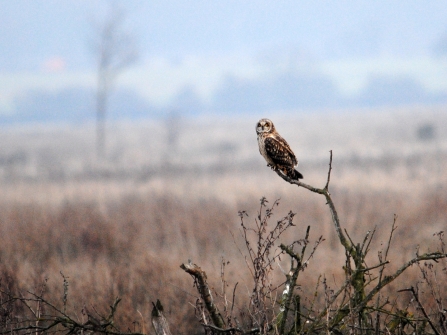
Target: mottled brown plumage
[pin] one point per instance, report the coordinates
(276, 150)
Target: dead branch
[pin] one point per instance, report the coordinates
(158, 320)
(205, 292)
(292, 279)
(60, 318)
(356, 305)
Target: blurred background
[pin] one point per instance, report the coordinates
(94, 89)
(128, 142)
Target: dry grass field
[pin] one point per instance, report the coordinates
(122, 226)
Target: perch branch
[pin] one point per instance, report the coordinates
(325, 191)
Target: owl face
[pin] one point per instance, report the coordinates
(264, 126)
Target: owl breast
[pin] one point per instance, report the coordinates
(261, 144)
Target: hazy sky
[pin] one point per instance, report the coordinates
(36, 31)
(184, 43)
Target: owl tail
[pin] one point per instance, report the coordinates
(297, 175)
(293, 174)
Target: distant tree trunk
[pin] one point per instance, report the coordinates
(101, 108)
(115, 50)
(172, 124)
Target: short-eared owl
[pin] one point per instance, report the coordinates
(276, 150)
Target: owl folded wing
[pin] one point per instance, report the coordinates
(279, 151)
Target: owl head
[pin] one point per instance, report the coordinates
(264, 126)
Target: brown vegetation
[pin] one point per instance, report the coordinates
(80, 256)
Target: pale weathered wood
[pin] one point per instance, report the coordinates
(158, 320)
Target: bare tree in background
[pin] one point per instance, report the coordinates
(115, 50)
(173, 123)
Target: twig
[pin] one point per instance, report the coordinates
(393, 228)
(234, 295)
(388, 279)
(370, 240)
(412, 290)
(326, 187)
(234, 329)
(365, 239)
(375, 266)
